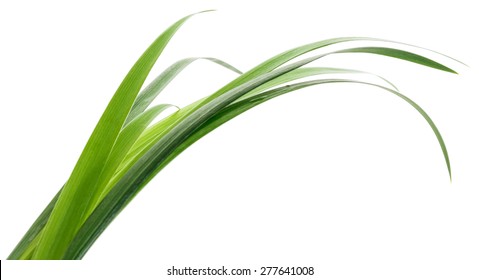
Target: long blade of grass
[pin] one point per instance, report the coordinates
(306, 72)
(75, 198)
(400, 54)
(146, 96)
(115, 201)
(30, 240)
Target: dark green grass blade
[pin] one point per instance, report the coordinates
(93, 227)
(146, 96)
(74, 200)
(401, 54)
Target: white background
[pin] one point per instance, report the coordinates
(348, 179)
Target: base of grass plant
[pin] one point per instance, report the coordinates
(125, 151)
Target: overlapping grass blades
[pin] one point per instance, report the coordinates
(124, 154)
(75, 198)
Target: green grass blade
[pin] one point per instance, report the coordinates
(75, 198)
(146, 96)
(401, 54)
(27, 243)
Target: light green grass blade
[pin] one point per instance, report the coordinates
(75, 198)
(93, 226)
(146, 96)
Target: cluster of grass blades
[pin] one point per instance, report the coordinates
(125, 151)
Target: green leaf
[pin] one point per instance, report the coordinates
(75, 198)
(400, 54)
